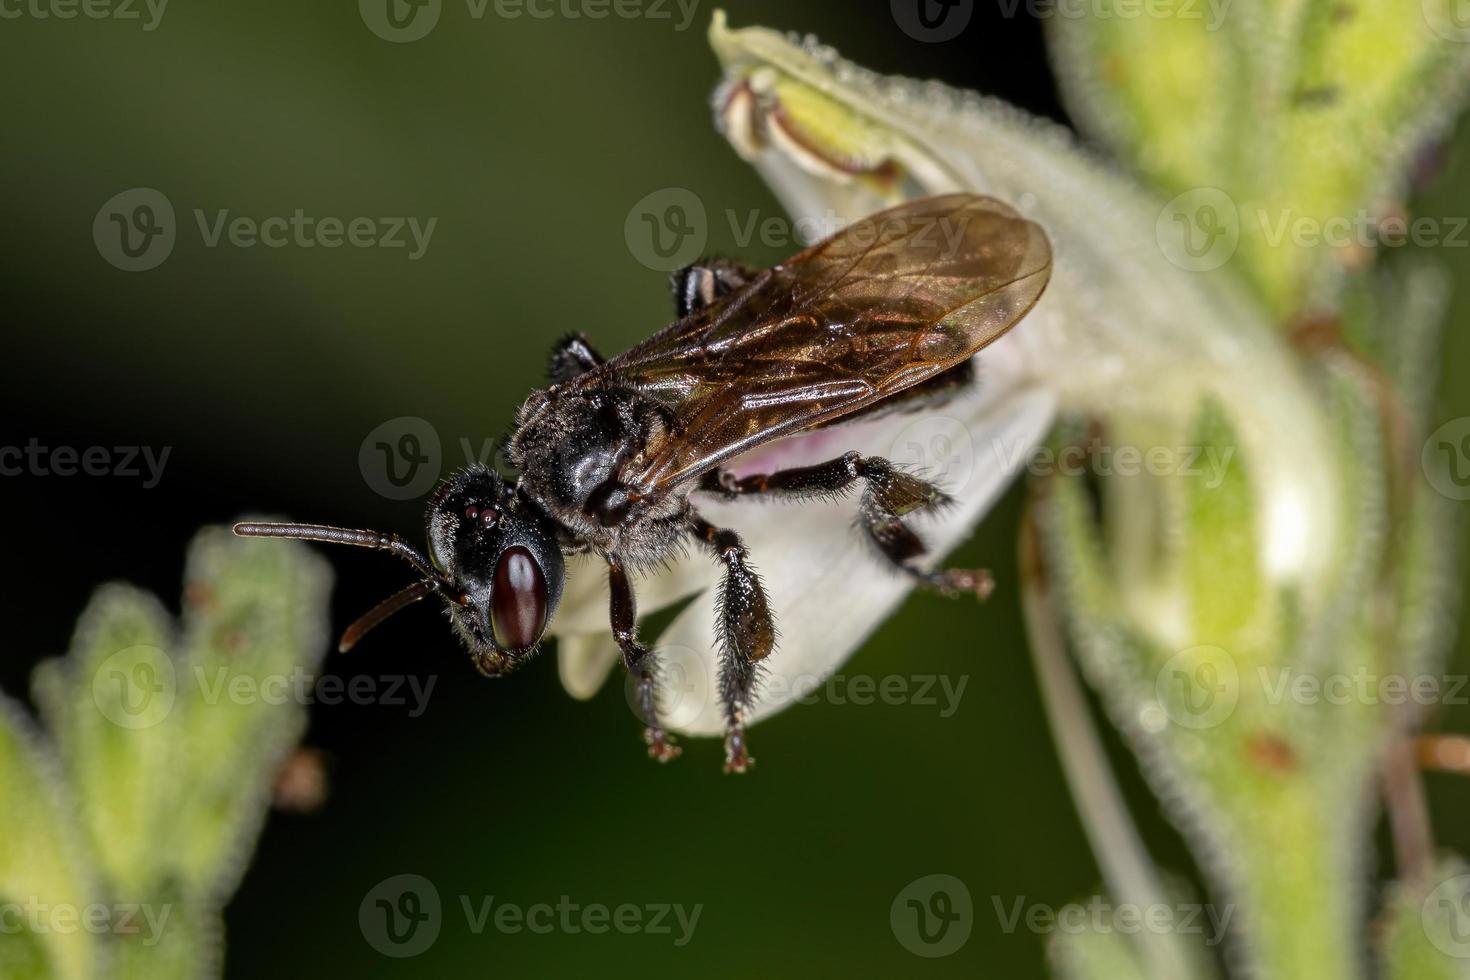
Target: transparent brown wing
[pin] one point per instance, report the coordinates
(880, 306)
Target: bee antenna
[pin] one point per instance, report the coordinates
(377, 540)
(370, 619)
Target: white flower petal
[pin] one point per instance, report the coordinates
(584, 601)
(584, 661)
(827, 589)
(1121, 328)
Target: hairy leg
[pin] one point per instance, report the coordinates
(890, 494)
(747, 634)
(638, 659)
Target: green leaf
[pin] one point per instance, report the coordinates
(45, 881)
(255, 630)
(174, 938)
(1290, 114)
(1426, 933)
(1091, 955)
(171, 738)
(1222, 563)
(108, 706)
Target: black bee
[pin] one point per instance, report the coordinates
(886, 312)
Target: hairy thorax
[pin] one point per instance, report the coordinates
(575, 447)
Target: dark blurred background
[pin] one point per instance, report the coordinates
(263, 369)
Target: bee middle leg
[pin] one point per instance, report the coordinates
(639, 661)
(890, 495)
(747, 634)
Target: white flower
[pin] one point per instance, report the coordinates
(1120, 331)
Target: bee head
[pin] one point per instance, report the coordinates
(500, 553)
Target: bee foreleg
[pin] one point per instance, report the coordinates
(747, 634)
(572, 356)
(638, 659)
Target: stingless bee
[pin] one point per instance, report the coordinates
(884, 314)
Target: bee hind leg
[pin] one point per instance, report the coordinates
(890, 495)
(747, 635)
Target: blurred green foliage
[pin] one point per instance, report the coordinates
(529, 141)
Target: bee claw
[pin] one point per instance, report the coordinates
(737, 758)
(661, 746)
(957, 582)
(980, 583)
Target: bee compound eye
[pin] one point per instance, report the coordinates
(518, 601)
